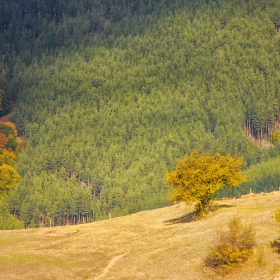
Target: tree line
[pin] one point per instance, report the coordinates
(104, 120)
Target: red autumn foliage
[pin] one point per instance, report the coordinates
(4, 119)
(3, 141)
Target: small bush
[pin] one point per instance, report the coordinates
(8, 221)
(233, 246)
(276, 243)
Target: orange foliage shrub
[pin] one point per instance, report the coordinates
(276, 243)
(3, 141)
(233, 246)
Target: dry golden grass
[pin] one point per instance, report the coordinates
(157, 244)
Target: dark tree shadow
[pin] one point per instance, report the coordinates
(225, 206)
(187, 218)
(276, 245)
(193, 216)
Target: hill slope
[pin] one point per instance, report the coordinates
(116, 115)
(109, 99)
(155, 244)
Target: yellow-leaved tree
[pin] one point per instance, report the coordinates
(7, 157)
(8, 178)
(198, 177)
(9, 145)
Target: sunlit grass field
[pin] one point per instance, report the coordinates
(159, 244)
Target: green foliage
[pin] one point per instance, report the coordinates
(275, 137)
(8, 130)
(4, 84)
(198, 177)
(263, 177)
(233, 246)
(8, 221)
(4, 96)
(110, 94)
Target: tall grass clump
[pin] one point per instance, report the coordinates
(276, 243)
(233, 246)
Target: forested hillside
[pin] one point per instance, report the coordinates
(111, 94)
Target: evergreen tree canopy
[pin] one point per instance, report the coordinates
(110, 94)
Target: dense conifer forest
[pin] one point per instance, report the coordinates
(110, 95)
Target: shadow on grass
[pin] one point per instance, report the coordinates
(225, 205)
(187, 218)
(276, 245)
(193, 216)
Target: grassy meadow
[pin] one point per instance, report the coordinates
(156, 244)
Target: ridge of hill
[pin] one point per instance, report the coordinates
(154, 244)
